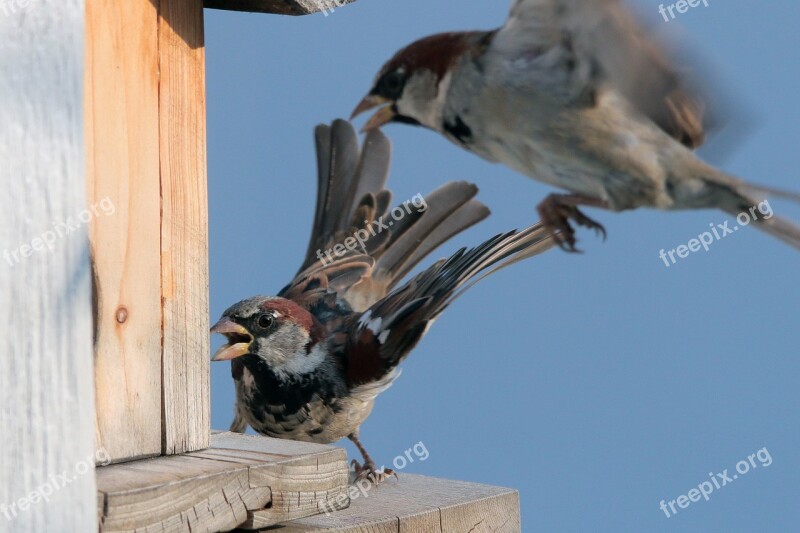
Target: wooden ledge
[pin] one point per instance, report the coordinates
(423, 505)
(221, 488)
(280, 7)
(254, 482)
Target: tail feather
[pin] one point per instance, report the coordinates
(735, 196)
(351, 198)
(778, 227)
(414, 240)
(781, 229)
(743, 197)
(344, 155)
(345, 175)
(465, 216)
(530, 242)
(373, 169)
(446, 281)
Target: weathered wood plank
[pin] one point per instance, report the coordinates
(304, 479)
(46, 398)
(122, 142)
(280, 7)
(184, 227)
(224, 486)
(420, 504)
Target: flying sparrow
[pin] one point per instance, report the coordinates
(574, 94)
(309, 363)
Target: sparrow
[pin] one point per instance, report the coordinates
(309, 362)
(577, 95)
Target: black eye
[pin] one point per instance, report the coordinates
(391, 85)
(265, 321)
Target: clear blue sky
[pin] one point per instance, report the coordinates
(596, 384)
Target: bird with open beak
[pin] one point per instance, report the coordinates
(576, 94)
(309, 362)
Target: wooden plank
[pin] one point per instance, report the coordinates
(420, 504)
(304, 478)
(122, 142)
(154, 492)
(184, 227)
(45, 276)
(280, 7)
(287, 506)
(223, 487)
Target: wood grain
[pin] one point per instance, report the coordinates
(280, 7)
(122, 145)
(184, 227)
(420, 504)
(221, 488)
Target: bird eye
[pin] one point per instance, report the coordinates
(392, 84)
(265, 321)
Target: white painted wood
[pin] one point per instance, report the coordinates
(46, 377)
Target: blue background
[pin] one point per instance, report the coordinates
(596, 384)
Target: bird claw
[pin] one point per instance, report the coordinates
(556, 215)
(370, 472)
(586, 222)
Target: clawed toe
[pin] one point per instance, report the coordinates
(370, 472)
(586, 222)
(565, 237)
(556, 213)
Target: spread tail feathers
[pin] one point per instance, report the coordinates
(353, 203)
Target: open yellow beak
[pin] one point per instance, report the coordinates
(383, 116)
(239, 340)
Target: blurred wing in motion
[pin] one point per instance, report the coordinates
(575, 49)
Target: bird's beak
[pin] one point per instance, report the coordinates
(239, 340)
(383, 116)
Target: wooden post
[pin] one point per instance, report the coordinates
(145, 109)
(184, 227)
(46, 392)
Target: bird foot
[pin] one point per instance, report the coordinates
(556, 213)
(369, 471)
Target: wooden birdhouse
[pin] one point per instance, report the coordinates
(107, 350)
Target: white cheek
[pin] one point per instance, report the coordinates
(303, 363)
(423, 102)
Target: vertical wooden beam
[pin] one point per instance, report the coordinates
(145, 109)
(122, 139)
(184, 227)
(46, 385)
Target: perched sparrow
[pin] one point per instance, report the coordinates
(309, 363)
(575, 94)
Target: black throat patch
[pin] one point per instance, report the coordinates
(458, 129)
